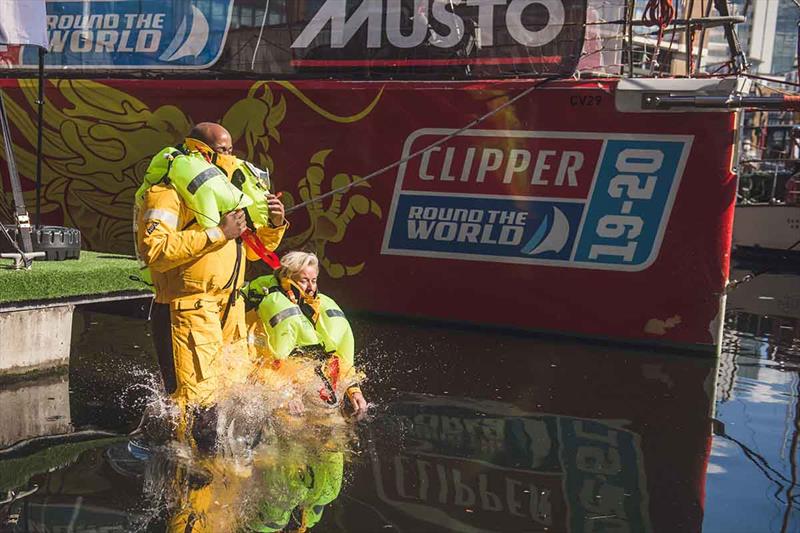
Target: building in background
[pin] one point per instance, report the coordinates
(772, 37)
(768, 37)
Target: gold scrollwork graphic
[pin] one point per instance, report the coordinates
(255, 120)
(98, 140)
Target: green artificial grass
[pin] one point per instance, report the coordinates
(95, 273)
(15, 473)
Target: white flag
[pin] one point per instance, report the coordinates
(23, 22)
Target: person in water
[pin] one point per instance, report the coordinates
(188, 223)
(294, 319)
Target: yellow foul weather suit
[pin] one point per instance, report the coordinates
(197, 272)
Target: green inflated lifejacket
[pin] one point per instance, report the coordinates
(286, 487)
(155, 173)
(288, 328)
(299, 494)
(255, 183)
(334, 330)
(328, 475)
(204, 188)
(283, 321)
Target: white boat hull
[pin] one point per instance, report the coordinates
(770, 227)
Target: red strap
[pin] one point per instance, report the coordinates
(254, 243)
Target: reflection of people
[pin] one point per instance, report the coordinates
(297, 493)
(284, 487)
(197, 265)
(296, 318)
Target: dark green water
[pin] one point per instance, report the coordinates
(470, 431)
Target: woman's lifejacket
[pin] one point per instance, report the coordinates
(287, 328)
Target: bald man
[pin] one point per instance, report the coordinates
(198, 319)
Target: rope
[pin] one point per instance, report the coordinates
(753, 275)
(659, 13)
(419, 152)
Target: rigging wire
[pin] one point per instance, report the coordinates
(763, 465)
(732, 285)
(764, 78)
(260, 35)
(419, 152)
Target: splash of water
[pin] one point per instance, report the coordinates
(274, 430)
(264, 470)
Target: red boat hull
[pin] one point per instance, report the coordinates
(542, 217)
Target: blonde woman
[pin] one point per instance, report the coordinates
(298, 320)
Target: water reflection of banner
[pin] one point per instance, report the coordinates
(528, 36)
(143, 34)
(527, 471)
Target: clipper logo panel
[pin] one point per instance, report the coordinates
(584, 200)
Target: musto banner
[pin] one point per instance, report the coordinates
(542, 36)
(342, 38)
(134, 34)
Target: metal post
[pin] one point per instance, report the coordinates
(40, 106)
(629, 20)
(738, 58)
(689, 9)
(702, 37)
(774, 185)
(20, 213)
